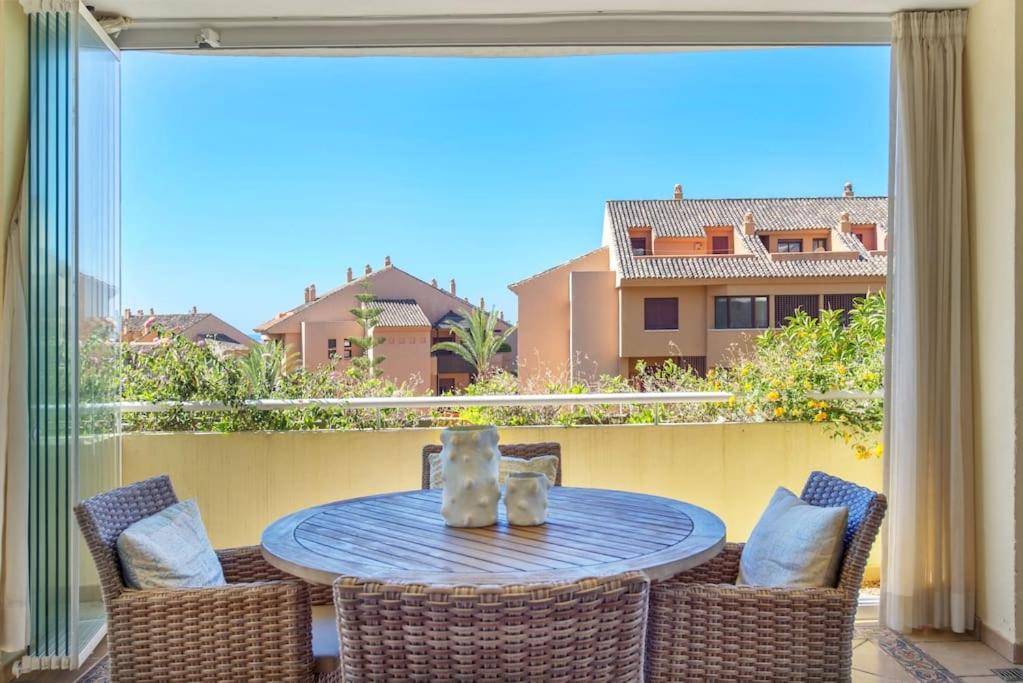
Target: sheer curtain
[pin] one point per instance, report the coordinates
(13, 365)
(928, 576)
(14, 441)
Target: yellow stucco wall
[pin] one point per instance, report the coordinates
(993, 54)
(244, 481)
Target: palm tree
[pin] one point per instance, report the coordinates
(477, 340)
(264, 366)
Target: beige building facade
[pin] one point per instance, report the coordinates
(141, 330)
(415, 315)
(696, 280)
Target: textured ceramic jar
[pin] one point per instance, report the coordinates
(470, 463)
(525, 498)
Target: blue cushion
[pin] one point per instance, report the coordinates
(794, 545)
(169, 550)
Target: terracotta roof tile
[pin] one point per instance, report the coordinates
(400, 313)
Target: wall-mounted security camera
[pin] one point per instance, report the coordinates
(207, 37)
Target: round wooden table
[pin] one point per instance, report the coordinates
(401, 537)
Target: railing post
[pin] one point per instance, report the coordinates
(657, 413)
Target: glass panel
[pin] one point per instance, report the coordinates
(52, 351)
(721, 312)
(760, 312)
(740, 312)
(99, 283)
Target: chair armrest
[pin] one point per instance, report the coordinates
(723, 568)
(242, 631)
(247, 565)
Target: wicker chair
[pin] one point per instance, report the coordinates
(589, 630)
(257, 628)
(526, 451)
(703, 627)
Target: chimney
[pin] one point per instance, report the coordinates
(369, 269)
(483, 304)
(433, 283)
(127, 313)
(747, 224)
(847, 190)
(843, 222)
(195, 309)
(678, 192)
(305, 295)
(312, 292)
(152, 311)
(387, 262)
(454, 292)
(349, 273)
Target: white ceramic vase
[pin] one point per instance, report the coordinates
(470, 465)
(525, 498)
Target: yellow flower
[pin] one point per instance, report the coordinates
(744, 371)
(820, 417)
(807, 385)
(731, 400)
(879, 450)
(750, 410)
(869, 376)
(861, 452)
(711, 373)
(747, 387)
(841, 369)
(811, 403)
(779, 411)
(796, 412)
(773, 396)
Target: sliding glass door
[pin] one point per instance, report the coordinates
(73, 299)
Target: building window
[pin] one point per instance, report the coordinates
(638, 246)
(841, 302)
(766, 241)
(820, 243)
(660, 313)
(786, 305)
(347, 349)
(331, 348)
(790, 246)
(740, 312)
(445, 385)
(720, 245)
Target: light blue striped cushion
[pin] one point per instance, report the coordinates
(169, 550)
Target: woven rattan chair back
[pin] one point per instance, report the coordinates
(103, 517)
(589, 630)
(866, 511)
(526, 451)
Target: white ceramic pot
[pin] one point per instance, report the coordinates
(470, 464)
(525, 498)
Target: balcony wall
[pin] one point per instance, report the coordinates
(244, 481)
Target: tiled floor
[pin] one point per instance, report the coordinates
(930, 656)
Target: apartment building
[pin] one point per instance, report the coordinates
(696, 280)
(415, 315)
(140, 329)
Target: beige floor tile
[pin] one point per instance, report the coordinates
(869, 658)
(967, 658)
(933, 636)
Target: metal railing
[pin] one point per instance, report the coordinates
(500, 400)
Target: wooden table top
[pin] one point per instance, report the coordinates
(401, 537)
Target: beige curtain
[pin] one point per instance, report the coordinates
(13, 361)
(928, 577)
(14, 441)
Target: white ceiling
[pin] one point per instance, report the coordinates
(251, 9)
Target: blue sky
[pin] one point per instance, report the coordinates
(246, 179)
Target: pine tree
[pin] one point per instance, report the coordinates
(364, 366)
